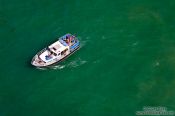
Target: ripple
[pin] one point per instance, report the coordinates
(58, 67)
(83, 42)
(41, 68)
(76, 63)
(135, 43)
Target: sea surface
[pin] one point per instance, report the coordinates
(126, 61)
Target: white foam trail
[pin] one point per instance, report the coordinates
(58, 67)
(76, 63)
(41, 68)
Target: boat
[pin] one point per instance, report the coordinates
(56, 52)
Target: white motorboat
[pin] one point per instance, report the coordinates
(56, 52)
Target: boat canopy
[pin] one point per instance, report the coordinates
(57, 47)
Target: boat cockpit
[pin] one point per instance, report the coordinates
(68, 40)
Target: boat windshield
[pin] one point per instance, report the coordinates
(63, 42)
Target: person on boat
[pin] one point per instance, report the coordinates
(71, 40)
(67, 40)
(48, 57)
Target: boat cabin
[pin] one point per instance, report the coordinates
(54, 52)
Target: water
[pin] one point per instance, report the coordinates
(126, 60)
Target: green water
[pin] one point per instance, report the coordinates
(126, 60)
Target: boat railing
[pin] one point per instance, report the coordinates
(39, 53)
